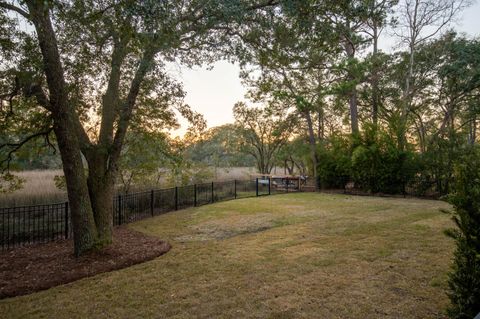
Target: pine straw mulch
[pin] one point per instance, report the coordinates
(28, 269)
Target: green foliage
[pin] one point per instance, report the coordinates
(334, 168)
(263, 132)
(219, 147)
(372, 161)
(143, 156)
(294, 156)
(10, 183)
(378, 165)
(184, 172)
(60, 182)
(154, 160)
(437, 165)
(464, 279)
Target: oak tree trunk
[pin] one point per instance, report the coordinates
(101, 189)
(64, 126)
(83, 225)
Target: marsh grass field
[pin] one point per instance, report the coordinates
(304, 255)
(39, 186)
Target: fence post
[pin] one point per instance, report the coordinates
(176, 198)
(194, 195)
(269, 187)
(66, 220)
(256, 186)
(212, 192)
(235, 188)
(287, 184)
(119, 209)
(151, 201)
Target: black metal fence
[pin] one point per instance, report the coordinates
(44, 223)
(414, 188)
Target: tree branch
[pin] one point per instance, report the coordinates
(16, 146)
(11, 7)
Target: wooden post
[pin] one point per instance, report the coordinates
(269, 187)
(287, 184)
(256, 186)
(235, 188)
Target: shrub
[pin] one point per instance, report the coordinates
(379, 166)
(334, 167)
(464, 279)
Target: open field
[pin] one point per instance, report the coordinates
(39, 187)
(301, 255)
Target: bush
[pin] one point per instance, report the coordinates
(437, 164)
(334, 165)
(464, 279)
(379, 166)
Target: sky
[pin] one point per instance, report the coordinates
(214, 92)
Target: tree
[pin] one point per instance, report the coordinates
(143, 156)
(375, 23)
(306, 58)
(97, 67)
(219, 147)
(289, 68)
(263, 133)
(293, 156)
(417, 22)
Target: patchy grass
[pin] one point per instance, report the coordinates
(287, 256)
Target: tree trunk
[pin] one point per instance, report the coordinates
(473, 130)
(352, 100)
(91, 199)
(406, 98)
(101, 189)
(375, 89)
(291, 167)
(353, 111)
(321, 125)
(83, 224)
(313, 146)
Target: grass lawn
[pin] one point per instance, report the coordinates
(287, 256)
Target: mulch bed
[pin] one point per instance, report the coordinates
(28, 269)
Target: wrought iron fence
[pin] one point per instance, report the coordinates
(44, 223)
(33, 224)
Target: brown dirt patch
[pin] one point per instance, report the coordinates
(28, 269)
(229, 227)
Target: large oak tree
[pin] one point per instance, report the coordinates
(84, 70)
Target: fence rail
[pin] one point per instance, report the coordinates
(43, 223)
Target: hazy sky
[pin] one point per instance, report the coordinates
(214, 92)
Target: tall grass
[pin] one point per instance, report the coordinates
(39, 187)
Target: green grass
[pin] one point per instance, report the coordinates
(287, 256)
